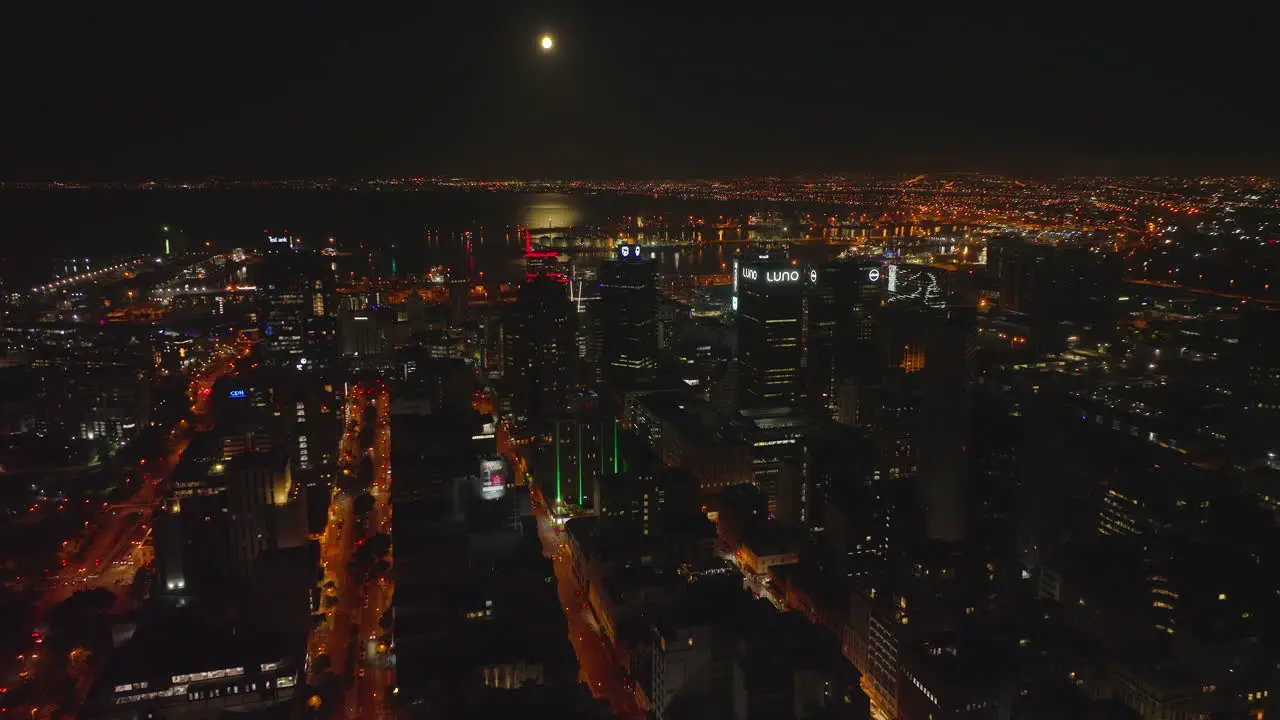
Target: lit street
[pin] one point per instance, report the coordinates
(331, 638)
(354, 609)
(373, 678)
(595, 655)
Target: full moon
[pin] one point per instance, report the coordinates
(547, 42)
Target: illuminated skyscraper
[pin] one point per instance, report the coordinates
(629, 304)
(295, 292)
(771, 328)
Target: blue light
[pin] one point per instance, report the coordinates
(236, 394)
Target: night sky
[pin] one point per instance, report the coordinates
(102, 91)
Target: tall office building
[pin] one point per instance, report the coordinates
(840, 338)
(584, 295)
(222, 516)
(575, 461)
(946, 421)
(175, 241)
(922, 335)
(1055, 284)
(459, 297)
(540, 351)
(912, 294)
(771, 329)
(859, 300)
(629, 306)
(890, 418)
(296, 304)
(283, 325)
(824, 320)
(360, 333)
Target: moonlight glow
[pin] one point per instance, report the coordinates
(547, 43)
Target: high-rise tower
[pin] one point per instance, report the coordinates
(771, 326)
(540, 352)
(629, 305)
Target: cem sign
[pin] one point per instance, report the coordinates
(236, 394)
(772, 276)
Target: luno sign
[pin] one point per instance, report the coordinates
(772, 276)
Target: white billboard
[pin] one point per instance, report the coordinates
(493, 479)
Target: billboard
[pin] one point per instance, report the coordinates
(734, 302)
(493, 479)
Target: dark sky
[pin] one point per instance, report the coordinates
(107, 90)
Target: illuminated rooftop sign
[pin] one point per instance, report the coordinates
(236, 394)
(629, 252)
(772, 276)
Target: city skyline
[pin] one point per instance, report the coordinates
(928, 422)
(645, 361)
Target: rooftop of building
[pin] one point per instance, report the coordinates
(623, 540)
(767, 420)
(773, 641)
(825, 589)
(626, 580)
(714, 601)
(961, 665)
(460, 648)
(683, 409)
(185, 642)
(770, 538)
